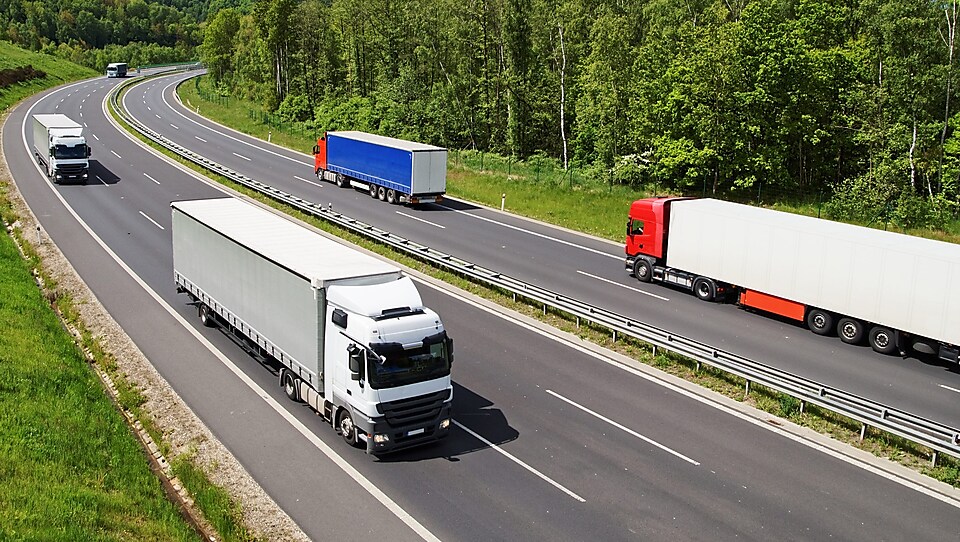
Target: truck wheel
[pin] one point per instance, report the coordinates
(851, 330)
(381, 193)
(347, 430)
(704, 289)
(882, 340)
(820, 321)
(373, 190)
(206, 317)
(290, 386)
(642, 270)
(391, 197)
(341, 181)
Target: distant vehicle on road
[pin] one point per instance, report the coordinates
(117, 69)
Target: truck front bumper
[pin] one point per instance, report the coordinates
(381, 438)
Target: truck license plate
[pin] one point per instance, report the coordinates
(414, 432)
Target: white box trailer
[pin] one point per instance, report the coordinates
(349, 331)
(828, 273)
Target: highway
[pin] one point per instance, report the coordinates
(551, 441)
(580, 266)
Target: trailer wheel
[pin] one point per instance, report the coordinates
(882, 340)
(391, 197)
(704, 289)
(642, 270)
(851, 330)
(381, 193)
(341, 181)
(347, 430)
(206, 317)
(290, 386)
(820, 321)
(373, 190)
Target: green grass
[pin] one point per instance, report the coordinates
(69, 467)
(58, 72)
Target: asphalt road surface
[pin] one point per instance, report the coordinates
(551, 442)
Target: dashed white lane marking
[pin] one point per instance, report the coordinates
(144, 215)
(200, 138)
(151, 178)
(418, 219)
(117, 155)
(240, 156)
(308, 181)
(513, 458)
(944, 386)
(625, 429)
(615, 283)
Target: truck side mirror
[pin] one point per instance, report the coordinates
(629, 225)
(88, 152)
(450, 350)
(356, 362)
(316, 149)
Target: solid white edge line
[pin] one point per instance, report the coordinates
(513, 458)
(155, 223)
(347, 468)
(624, 428)
(401, 213)
(615, 283)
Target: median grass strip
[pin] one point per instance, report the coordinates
(594, 206)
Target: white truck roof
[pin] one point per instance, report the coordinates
(56, 120)
(387, 141)
(314, 257)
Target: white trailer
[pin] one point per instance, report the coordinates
(349, 331)
(59, 145)
(890, 289)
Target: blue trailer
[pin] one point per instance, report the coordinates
(393, 170)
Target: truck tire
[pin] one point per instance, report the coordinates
(341, 181)
(851, 330)
(704, 289)
(347, 430)
(373, 190)
(291, 385)
(381, 193)
(820, 321)
(391, 197)
(883, 340)
(206, 316)
(642, 270)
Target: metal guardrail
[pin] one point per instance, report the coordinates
(937, 436)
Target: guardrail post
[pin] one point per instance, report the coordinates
(698, 366)
(863, 431)
(747, 391)
(933, 458)
(578, 322)
(803, 406)
(614, 335)
(654, 350)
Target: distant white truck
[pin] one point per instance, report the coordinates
(61, 148)
(349, 331)
(117, 69)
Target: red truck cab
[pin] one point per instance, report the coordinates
(320, 154)
(646, 227)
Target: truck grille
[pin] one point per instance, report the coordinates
(72, 170)
(414, 410)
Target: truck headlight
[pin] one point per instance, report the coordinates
(381, 438)
(444, 424)
(84, 175)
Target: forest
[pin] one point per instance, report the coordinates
(847, 102)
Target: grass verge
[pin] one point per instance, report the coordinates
(590, 205)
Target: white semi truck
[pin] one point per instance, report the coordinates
(59, 146)
(349, 331)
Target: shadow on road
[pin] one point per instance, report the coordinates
(476, 414)
(100, 175)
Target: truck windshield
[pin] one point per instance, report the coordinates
(63, 152)
(402, 367)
